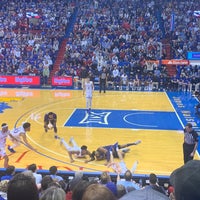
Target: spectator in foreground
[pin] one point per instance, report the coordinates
(22, 187)
(3, 189)
(9, 173)
(128, 183)
(46, 181)
(153, 181)
(79, 189)
(105, 179)
(186, 181)
(98, 192)
(38, 177)
(53, 193)
(53, 173)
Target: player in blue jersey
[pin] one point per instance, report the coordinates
(103, 153)
(50, 120)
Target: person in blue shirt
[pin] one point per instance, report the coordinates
(53, 174)
(9, 173)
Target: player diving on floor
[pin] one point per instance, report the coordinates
(101, 153)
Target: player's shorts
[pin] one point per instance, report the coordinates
(13, 140)
(88, 96)
(115, 154)
(2, 152)
(74, 149)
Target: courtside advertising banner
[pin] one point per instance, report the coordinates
(62, 81)
(19, 80)
(193, 55)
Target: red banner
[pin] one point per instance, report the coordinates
(175, 62)
(170, 62)
(62, 81)
(19, 80)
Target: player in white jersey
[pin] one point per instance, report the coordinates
(88, 91)
(4, 132)
(16, 134)
(74, 149)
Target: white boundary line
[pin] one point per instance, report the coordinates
(180, 120)
(174, 110)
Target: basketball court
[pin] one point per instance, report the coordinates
(155, 118)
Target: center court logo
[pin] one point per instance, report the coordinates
(93, 117)
(130, 119)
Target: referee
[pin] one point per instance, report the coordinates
(190, 142)
(102, 80)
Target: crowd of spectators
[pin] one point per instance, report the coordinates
(122, 37)
(119, 36)
(30, 35)
(186, 32)
(29, 184)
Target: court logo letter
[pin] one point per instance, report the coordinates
(100, 118)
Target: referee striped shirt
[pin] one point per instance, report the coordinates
(190, 137)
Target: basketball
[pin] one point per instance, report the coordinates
(50, 126)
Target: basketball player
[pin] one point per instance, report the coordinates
(16, 134)
(3, 135)
(103, 153)
(78, 152)
(50, 120)
(83, 76)
(88, 91)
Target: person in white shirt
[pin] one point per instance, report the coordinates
(88, 91)
(38, 177)
(124, 81)
(115, 72)
(16, 134)
(3, 136)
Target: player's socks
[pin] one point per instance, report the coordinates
(134, 143)
(137, 142)
(56, 137)
(11, 149)
(125, 150)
